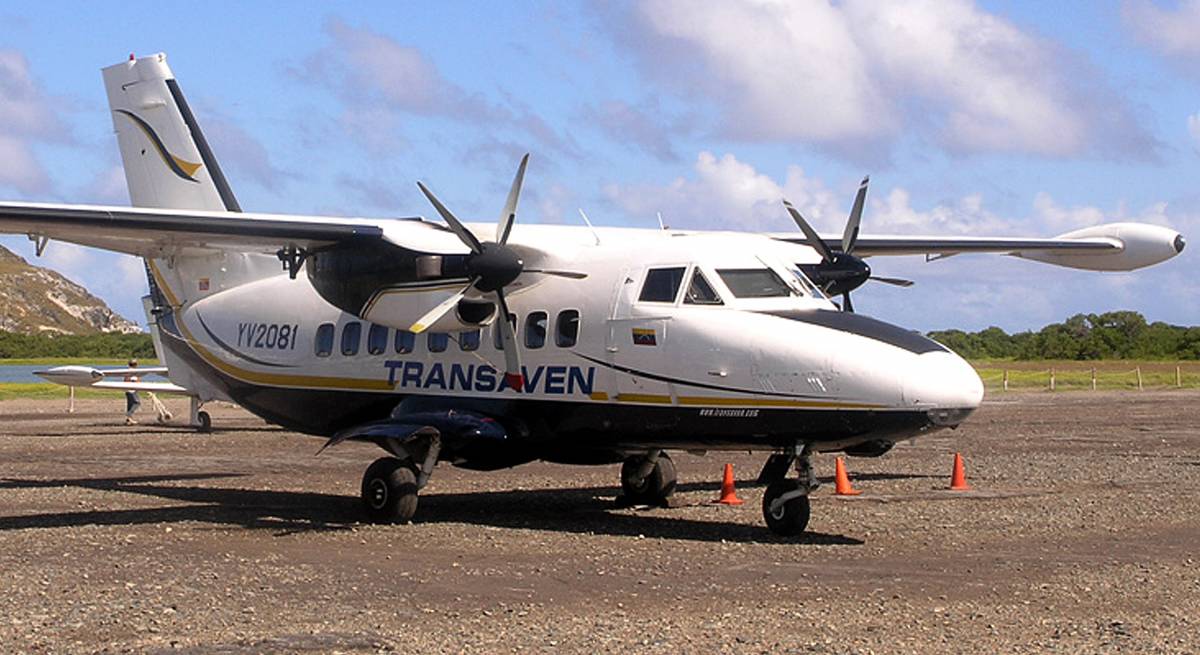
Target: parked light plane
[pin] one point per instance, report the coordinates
(489, 346)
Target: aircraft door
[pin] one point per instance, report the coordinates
(637, 339)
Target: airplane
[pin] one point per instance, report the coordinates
(489, 345)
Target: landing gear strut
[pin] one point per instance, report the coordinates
(648, 479)
(785, 504)
(200, 418)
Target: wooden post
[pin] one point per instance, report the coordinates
(1093, 378)
(1139, 374)
(1052, 379)
(1006, 379)
(1178, 376)
(71, 402)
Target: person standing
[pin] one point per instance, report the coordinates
(132, 400)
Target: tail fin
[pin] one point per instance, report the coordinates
(168, 163)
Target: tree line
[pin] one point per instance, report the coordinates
(1112, 335)
(100, 346)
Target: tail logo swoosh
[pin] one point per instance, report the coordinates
(179, 166)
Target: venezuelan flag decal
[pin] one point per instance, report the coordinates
(644, 337)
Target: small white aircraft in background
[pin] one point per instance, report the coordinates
(576, 345)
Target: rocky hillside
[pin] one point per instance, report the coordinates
(38, 300)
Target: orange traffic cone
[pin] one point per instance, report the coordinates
(728, 495)
(842, 485)
(958, 479)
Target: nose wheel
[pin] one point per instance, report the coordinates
(785, 504)
(389, 491)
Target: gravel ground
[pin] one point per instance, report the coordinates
(1080, 535)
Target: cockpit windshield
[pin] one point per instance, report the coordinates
(755, 283)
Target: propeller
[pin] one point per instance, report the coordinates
(491, 266)
(840, 272)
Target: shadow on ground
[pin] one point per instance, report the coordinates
(587, 510)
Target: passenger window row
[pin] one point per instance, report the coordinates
(566, 334)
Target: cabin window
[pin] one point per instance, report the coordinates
(566, 330)
(324, 341)
(351, 336)
(700, 292)
(662, 284)
(377, 339)
(535, 329)
(497, 337)
(754, 282)
(405, 341)
(469, 340)
(438, 342)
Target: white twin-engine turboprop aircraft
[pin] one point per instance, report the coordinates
(489, 346)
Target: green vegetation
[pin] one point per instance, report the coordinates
(1074, 375)
(42, 390)
(86, 348)
(1114, 335)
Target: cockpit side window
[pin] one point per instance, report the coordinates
(754, 282)
(700, 292)
(662, 284)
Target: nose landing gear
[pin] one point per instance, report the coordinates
(785, 504)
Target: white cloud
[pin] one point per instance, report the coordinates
(27, 116)
(1171, 32)
(857, 76)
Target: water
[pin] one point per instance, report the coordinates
(20, 373)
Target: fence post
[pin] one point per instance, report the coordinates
(1006, 379)
(71, 402)
(1139, 374)
(1052, 379)
(1093, 378)
(1178, 377)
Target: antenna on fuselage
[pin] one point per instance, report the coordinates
(661, 225)
(590, 226)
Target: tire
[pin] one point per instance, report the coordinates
(792, 518)
(389, 491)
(204, 422)
(655, 488)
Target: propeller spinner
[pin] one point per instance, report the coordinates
(840, 272)
(491, 266)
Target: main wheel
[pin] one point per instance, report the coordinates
(204, 422)
(655, 488)
(791, 517)
(389, 491)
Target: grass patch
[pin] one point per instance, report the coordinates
(1073, 375)
(48, 390)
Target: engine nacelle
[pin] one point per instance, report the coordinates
(392, 286)
(1140, 245)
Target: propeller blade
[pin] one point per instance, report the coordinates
(509, 215)
(893, 280)
(441, 310)
(851, 233)
(847, 306)
(814, 239)
(508, 337)
(452, 220)
(574, 275)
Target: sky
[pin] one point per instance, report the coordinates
(972, 118)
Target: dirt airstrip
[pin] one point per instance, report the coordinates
(1082, 534)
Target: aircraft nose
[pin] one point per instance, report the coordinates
(946, 385)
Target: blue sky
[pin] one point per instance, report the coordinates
(984, 118)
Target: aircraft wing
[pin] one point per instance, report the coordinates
(155, 387)
(164, 232)
(94, 378)
(1109, 247)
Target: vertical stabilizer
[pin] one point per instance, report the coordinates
(168, 163)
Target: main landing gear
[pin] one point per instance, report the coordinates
(785, 503)
(199, 418)
(390, 485)
(648, 479)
